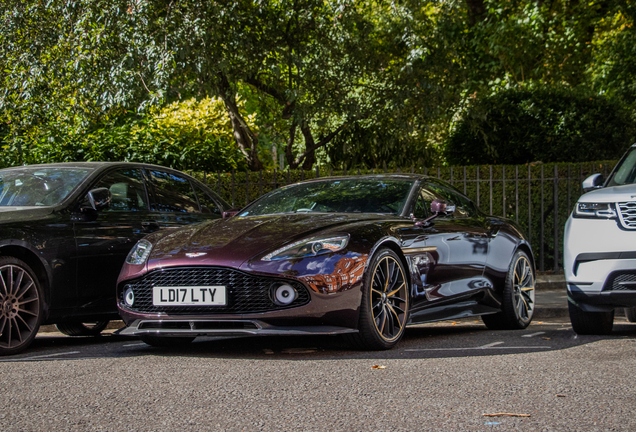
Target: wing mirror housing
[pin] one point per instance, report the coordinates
(595, 181)
(99, 199)
(228, 214)
(438, 207)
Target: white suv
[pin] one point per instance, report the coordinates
(600, 249)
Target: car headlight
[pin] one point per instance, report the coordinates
(139, 253)
(594, 210)
(309, 247)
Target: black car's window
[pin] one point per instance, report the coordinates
(173, 193)
(463, 206)
(127, 190)
(39, 186)
(208, 205)
(341, 195)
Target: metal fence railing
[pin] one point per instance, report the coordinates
(539, 197)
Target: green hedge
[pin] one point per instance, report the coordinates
(544, 124)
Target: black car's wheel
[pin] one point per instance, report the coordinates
(82, 328)
(590, 323)
(21, 304)
(166, 342)
(385, 303)
(518, 297)
(630, 313)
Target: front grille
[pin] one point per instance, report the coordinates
(245, 293)
(627, 214)
(621, 281)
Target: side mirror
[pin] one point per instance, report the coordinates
(595, 181)
(99, 199)
(228, 214)
(438, 207)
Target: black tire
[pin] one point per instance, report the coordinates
(385, 303)
(630, 313)
(21, 305)
(517, 306)
(590, 323)
(165, 341)
(82, 329)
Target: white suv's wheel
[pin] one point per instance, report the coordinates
(630, 313)
(590, 323)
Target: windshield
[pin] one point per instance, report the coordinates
(38, 186)
(342, 196)
(625, 171)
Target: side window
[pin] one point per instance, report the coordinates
(172, 193)
(208, 206)
(463, 206)
(423, 204)
(127, 189)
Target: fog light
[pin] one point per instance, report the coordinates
(129, 296)
(284, 294)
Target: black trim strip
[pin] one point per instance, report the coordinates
(598, 256)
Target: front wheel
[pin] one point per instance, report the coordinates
(385, 303)
(518, 297)
(590, 323)
(21, 305)
(81, 328)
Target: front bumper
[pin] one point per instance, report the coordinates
(603, 301)
(227, 328)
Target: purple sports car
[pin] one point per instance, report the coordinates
(357, 256)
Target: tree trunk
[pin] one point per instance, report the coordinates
(245, 138)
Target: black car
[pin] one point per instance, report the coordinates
(65, 231)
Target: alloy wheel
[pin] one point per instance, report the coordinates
(20, 307)
(389, 297)
(523, 288)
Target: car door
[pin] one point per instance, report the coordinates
(457, 244)
(176, 200)
(104, 238)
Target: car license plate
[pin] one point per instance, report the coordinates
(188, 296)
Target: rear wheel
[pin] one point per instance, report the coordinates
(21, 305)
(82, 329)
(166, 342)
(590, 323)
(385, 303)
(518, 297)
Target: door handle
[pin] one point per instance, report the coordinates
(149, 226)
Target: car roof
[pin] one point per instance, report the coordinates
(88, 165)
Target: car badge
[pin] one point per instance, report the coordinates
(195, 254)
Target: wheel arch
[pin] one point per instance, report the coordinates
(528, 250)
(34, 262)
(393, 244)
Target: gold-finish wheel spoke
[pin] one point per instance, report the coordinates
(392, 293)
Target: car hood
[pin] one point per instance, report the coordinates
(231, 242)
(611, 194)
(23, 214)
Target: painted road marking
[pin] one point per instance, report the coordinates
(493, 345)
(135, 344)
(41, 357)
(533, 334)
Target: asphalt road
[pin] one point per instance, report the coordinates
(443, 376)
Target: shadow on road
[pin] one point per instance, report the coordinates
(440, 340)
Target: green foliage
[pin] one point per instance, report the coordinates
(547, 124)
(189, 135)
